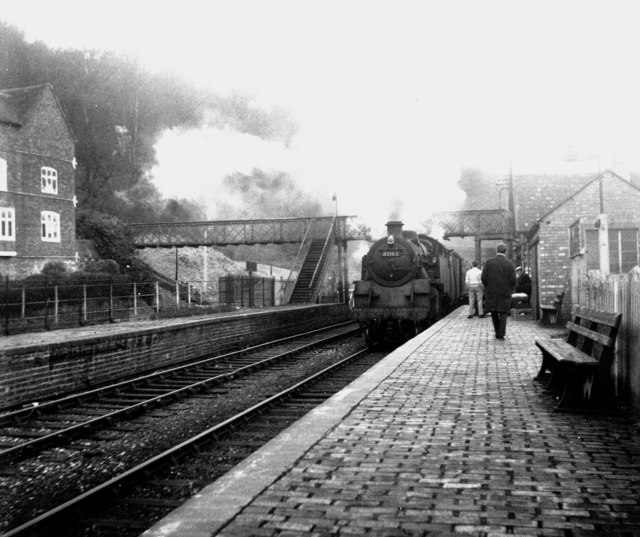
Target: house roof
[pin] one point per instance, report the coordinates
(16, 103)
(593, 180)
(536, 225)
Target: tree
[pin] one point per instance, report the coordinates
(115, 108)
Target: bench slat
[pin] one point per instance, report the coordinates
(565, 352)
(601, 317)
(595, 336)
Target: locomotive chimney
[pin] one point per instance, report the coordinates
(394, 227)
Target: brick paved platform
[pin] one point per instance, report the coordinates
(448, 435)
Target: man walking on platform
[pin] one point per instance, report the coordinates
(475, 288)
(499, 279)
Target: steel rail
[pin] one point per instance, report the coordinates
(54, 438)
(15, 416)
(52, 518)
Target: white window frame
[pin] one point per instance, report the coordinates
(615, 249)
(7, 224)
(50, 226)
(3, 175)
(49, 180)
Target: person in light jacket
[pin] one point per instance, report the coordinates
(475, 288)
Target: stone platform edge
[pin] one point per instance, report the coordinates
(218, 503)
(24, 343)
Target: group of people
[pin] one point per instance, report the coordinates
(493, 288)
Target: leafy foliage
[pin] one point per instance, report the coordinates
(116, 110)
(110, 237)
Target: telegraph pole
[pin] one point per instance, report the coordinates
(512, 209)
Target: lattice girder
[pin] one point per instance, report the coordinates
(234, 232)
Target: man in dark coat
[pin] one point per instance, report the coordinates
(499, 279)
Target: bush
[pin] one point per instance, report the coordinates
(111, 238)
(54, 270)
(104, 266)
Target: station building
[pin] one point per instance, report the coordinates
(37, 184)
(557, 222)
(562, 244)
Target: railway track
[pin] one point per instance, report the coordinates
(36, 427)
(135, 499)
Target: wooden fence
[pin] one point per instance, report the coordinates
(620, 293)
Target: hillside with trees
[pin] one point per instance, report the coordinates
(117, 110)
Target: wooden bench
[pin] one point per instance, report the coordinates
(580, 364)
(553, 310)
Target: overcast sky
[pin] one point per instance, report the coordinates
(396, 95)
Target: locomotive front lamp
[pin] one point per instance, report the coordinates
(390, 240)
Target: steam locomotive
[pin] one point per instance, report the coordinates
(408, 282)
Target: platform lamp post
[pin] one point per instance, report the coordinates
(342, 278)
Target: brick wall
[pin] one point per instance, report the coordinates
(33, 372)
(536, 195)
(43, 139)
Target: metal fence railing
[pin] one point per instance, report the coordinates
(29, 306)
(33, 305)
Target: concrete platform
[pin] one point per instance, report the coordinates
(448, 435)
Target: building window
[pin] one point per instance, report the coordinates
(50, 226)
(623, 250)
(7, 224)
(3, 174)
(49, 180)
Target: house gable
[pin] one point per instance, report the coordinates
(611, 199)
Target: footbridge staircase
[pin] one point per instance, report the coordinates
(309, 280)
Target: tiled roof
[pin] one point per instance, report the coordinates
(15, 103)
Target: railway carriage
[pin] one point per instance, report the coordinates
(408, 282)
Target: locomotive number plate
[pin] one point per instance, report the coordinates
(391, 253)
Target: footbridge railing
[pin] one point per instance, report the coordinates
(233, 232)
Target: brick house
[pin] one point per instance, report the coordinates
(562, 243)
(37, 189)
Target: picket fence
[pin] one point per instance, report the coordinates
(620, 293)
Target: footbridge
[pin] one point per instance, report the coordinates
(318, 237)
(235, 232)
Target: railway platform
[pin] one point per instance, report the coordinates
(46, 365)
(79, 333)
(448, 435)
